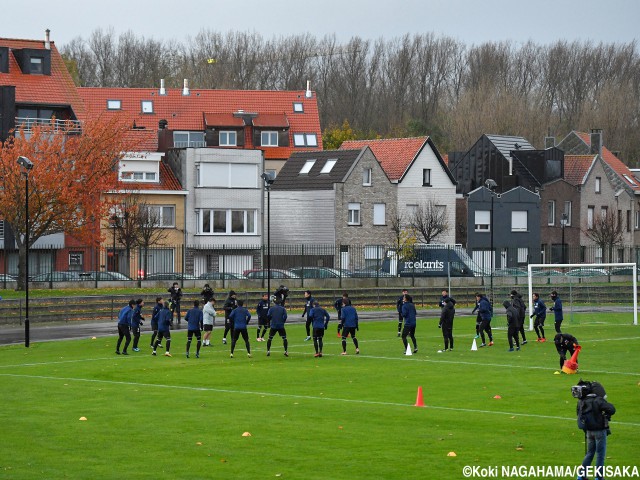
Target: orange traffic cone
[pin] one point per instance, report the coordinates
(571, 365)
(419, 399)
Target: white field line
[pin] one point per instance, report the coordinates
(295, 396)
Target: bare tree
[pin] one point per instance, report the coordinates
(430, 221)
(606, 232)
(150, 231)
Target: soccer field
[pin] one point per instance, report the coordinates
(336, 417)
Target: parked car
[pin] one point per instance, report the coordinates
(103, 276)
(546, 273)
(510, 272)
(57, 277)
(219, 276)
(628, 271)
(320, 272)
(587, 272)
(170, 276)
(369, 273)
(275, 273)
(5, 277)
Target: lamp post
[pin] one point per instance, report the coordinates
(114, 224)
(491, 185)
(268, 178)
(563, 223)
(25, 167)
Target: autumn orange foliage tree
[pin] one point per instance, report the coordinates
(71, 168)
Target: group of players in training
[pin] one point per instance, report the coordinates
(272, 316)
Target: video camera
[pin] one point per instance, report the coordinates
(585, 387)
(580, 391)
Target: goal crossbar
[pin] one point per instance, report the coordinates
(582, 265)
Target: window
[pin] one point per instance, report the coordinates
(147, 106)
(567, 212)
(598, 184)
(305, 140)
(328, 165)
(188, 140)
(298, 107)
(36, 65)
(306, 168)
(482, 221)
(76, 261)
(628, 220)
(162, 216)
(114, 104)
(354, 214)
(604, 211)
(551, 212)
(379, 213)
(227, 222)
(227, 175)
(132, 176)
(630, 180)
(523, 255)
(637, 226)
(590, 214)
(366, 177)
(269, 139)
(619, 225)
(426, 177)
(412, 209)
(519, 221)
(228, 139)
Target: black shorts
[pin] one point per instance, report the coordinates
(154, 326)
(280, 331)
(123, 330)
(539, 322)
(318, 332)
(191, 333)
(409, 331)
(208, 328)
(166, 334)
(263, 321)
(348, 330)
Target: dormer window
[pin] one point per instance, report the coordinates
(228, 139)
(328, 165)
(628, 179)
(147, 106)
(305, 140)
(114, 104)
(298, 107)
(269, 139)
(35, 65)
(188, 140)
(306, 168)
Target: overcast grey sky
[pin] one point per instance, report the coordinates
(472, 21)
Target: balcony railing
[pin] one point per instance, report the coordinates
(27, 123)
(192, 144)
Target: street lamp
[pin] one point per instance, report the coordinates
(491, 185)
(268, 178)
(563, 223)
(25, 167)
(114, 224)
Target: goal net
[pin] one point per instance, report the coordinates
(591, 294)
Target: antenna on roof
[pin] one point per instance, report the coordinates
(308, 93)
(47, 41)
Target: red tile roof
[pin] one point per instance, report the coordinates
(55, 89)
(168, 182)
(576, 168)
(614, 162)
(271, 120)
(394, 154)
(188, 112)
(222, 120)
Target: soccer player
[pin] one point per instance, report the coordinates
(444, 297)
(513, 321)
(229, 306)
(409, 315)
(208, 319)
(281, 294)
(240, 318)
(195, 325)
(447, 313)
(124, 326)
(338, 306)
(175, 293)
(485, 311)
(154, 320)
(565, 343)
(206, 293)
(277, 316)
(308, 305)
(518, 303)
(557, 310)
(164, 329)
(540, 312)
(349, 325)
(320, 321)
(136, 321)
(263, 321)
(478, 317)
(399, 304)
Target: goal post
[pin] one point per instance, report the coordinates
(583, 282)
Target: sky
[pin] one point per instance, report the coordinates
(471, 21)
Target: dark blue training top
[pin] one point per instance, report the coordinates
(277, 315)
(540, 309)
(262, 309)
(557, 309)
(484, 308)
(136, 316)
(409, 314)
(194, 319)
(308, 306)
(320, 317)
(164, 320)
(154, 315)
(240, 317)
(124, 317)
(349, 316)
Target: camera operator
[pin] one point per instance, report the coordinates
(594, 413)
(565, 343)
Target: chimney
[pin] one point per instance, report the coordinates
(549, 142)
(47, 41)
(596, 141)
(308, 93)
(163, 91)
(185, 88)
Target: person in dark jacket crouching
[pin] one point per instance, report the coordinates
(447, 313)
(564, 343)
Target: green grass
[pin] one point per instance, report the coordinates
(336, 417)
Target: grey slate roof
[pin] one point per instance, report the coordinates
(505, 143)
(290, 178)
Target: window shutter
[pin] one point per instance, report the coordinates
(256, 138)
(240, 138)
(212, 137)
(283, 138)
